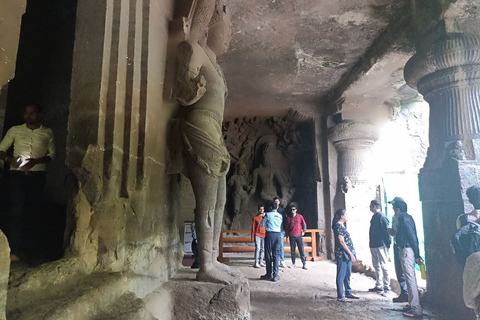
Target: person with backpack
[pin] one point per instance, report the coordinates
(473, 195)
(466, 247)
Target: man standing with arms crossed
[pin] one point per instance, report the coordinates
(294, 230)
(33, 147)
(273, 240)
(380, 242)
(407, 242)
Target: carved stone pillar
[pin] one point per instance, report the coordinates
(353, 141)
(356, 178)
(447, 74)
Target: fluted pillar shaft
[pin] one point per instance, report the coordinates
(447, 74)
(356, 185)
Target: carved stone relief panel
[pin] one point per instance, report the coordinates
(270, 157)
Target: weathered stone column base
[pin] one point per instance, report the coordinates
(191, 299)
(442, 195)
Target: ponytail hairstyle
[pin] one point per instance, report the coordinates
(338, 215)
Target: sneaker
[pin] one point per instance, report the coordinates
(400, 298)
(375, 289)
(262, 264)
(385, 293)
(275, 279)
(292, 265)
(256, 265)
(283, 264)
(266, 277)
(304, 266)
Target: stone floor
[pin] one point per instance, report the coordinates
(310, 294)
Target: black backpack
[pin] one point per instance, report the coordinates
(466, 241)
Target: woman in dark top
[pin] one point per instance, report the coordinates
(344, 254)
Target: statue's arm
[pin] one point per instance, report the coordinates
(190, 84)
(280, 179)
(254, 182)
(231, 181)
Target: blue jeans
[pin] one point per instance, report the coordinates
(282, 249)
(399, 271)
(273, 242)
(259, 249)
(344, 270)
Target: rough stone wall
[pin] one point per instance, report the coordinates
(5, 270)
(10, 18)
(117, 140)
(277, 154)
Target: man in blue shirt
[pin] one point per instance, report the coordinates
(407, 242)
(281, 210)
(273, 241)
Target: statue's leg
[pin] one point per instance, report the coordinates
(218, 221)
(219, 210)
(205, 191)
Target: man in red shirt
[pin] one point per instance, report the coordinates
(294, 230)
(258, 235)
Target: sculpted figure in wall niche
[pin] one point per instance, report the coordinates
(201, 90)
(240, 191)
(266, 178)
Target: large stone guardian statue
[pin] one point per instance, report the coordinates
(201, 90)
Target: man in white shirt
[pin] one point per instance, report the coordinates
(33, 147)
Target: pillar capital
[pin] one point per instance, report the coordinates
(353, 134)
(447, 74)
(452, 60)
(353, 141)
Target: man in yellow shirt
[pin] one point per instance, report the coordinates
(33, 147)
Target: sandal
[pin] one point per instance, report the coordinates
(343, 300)
(352, 296)
(412, 315)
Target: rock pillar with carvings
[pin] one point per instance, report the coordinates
(357, 182)
(447, 74)
(4, 273)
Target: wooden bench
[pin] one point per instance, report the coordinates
(233, 237)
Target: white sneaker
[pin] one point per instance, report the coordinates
(385, 293)
(256, 265)
(283, 264)
(262, 264)
(292, 265)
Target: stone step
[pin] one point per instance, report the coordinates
(127, 307)
(94, 295)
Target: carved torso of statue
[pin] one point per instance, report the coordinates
(268, 177)
(201, 90)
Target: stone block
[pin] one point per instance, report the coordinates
(190, 299)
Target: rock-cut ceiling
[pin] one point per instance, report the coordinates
(301, 53)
